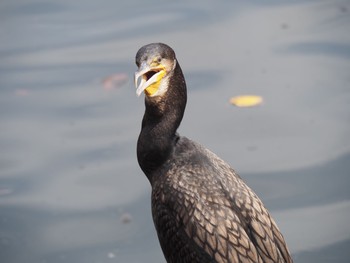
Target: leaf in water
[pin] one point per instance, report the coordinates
(115, 81)
(125, 218)
(5, 191)
(246, 100)
(21, 92)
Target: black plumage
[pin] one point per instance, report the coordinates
(202, 210)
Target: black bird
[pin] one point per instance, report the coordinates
(202, 209)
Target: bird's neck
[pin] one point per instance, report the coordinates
(162, 117)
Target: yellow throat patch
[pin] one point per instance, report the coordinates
(151, 89)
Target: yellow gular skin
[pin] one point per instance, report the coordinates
(151, 89)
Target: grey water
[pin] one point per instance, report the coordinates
(70, 186)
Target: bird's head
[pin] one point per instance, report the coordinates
(156, 63)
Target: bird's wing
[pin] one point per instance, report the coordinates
(259, 225)
(231, 233)
(208, 205)
(254, 217)
(231, 225)
(176, 244)
(203, 217)
(202, 232)
(218, 230)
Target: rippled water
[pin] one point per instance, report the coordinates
(70, 186)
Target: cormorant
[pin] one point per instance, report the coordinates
(202, 210)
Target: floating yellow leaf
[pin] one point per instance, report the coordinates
(246, 100)
(115, 81)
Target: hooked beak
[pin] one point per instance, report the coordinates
(150, 75)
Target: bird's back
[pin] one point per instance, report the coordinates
(204, 212)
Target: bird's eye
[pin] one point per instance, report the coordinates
(159, 59)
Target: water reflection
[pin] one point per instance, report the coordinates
(68, 171)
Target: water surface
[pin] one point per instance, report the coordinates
(70, 186)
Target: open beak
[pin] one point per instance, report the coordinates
(149, 75)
